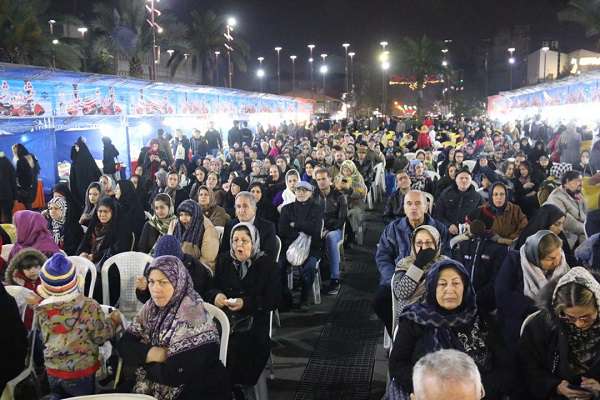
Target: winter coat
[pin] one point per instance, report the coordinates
(72, 332)
(453, 205)
(544, 352)
(27, 173)
(510, 223)
(217, 215)
(395, 244)
(574, 210)
(307, 217)
(266, 231)
(8, 180)
(260, 289)
(14, 334)
(366, 170)
(207, 251)
(335, 208)
(394, 206)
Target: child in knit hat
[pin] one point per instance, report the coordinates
(72, 327)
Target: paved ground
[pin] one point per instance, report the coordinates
(335, 351)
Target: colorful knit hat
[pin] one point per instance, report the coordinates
(59, 277)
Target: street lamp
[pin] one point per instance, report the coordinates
(545, 50)
(383, 44)
(51, 22)
(310, 63)
(385, 66)
(231, 23)
(278, 50)
(444, 63)
(151, 20)
(83, 30)
(323, 70)
(352, 54)
(345, 46)
(511, 62)
(293, 58)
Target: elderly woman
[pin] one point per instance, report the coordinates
(247, 287)
(32, 231)
(408, 282)
(447, 319)
(196, 233)
(523, 274)
(351, 183)
(158, 224)
(418, 178)
(559, 349)
(215, 213)
(508, 218)
(172, 341)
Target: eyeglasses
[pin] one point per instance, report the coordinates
(585, 319)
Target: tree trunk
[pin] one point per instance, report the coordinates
(135, 67)
(420, 95)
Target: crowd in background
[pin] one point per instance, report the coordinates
(486, 224)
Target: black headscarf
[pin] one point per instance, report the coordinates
(546, 215)
(131, 207)
(84, 170)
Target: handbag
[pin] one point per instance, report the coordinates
(395, 392)
(298, 251)
(240, 323)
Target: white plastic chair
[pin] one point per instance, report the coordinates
(470, 164)
(220, 230)
(6, 248)
(429, 198)
(130, 264)
(20, 294)
(433, 175)
(84, 266)
(9, 390)
(527, 320)
(410, 156)
(219, 315)
(114, 396)
(278, 247)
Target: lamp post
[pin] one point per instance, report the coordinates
(51, 23)
(83, 30)
(352, 54)
(231, 23)
(278, 50)
(185, 58)
(511, 62)
(151, 20)
(345, 46)
(323, 70)
(545, 50)
(217, 54)
(384, 58)
(293, 58)
(310, 63)
(260, 72)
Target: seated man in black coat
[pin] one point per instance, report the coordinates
(245, 211)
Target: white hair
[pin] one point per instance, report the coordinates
(445, 366)
(248, 196)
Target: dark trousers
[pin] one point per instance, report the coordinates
(6, 211)
(382, 304)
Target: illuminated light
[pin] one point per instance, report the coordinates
(545, 48)
(352, 54)
(444, 63)
(383, 44)
(324, 56)
(231, 22)
(384, 56)
(170, 52)
(55, 41)
(311, 46)
(82, 30)
(511, 50)
(444, 51)
(278, 49)
(260, 59)
(144, 128)
(346, 45)
(324, 69)
(159, 29)
(511, 60)
(585, 61)
(293, 58)
(385, 65)
(260, 73)
(311, 60)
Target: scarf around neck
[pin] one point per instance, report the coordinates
(58, 225)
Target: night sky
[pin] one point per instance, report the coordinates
(328, 23)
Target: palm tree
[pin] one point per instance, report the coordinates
(585, 13)
(203, 37)
(121, 30)
(421, 58)
(24, 41)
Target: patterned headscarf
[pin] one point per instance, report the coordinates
(194, 233)
(58, 225)
(162, 224)
(242, 267)
(179, 326)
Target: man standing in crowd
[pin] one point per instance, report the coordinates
(335, 211)
(246, 134)
(213, 139)
(165, 146)
(457, 201)
(394, 245)
(234, 135)
(198, 146)
(181, 147)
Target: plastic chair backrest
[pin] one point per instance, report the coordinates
(132, 241)
(20, 295)
(410, 156)
(470, 164)
(220, 230)
(429, 197)
(220, 316)
(84, 266)
(130, 264)
(6, 248)
(114, 396)
(278, 247)
(529, 318)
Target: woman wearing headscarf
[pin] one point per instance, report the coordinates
(238, 184)
(408, 282)
(522, 275)
(447, 319)
(352, 184)
(213, 183)
(158, 224)
(247, 288)
(153, 158)
(264, 208)
(551, 218)
(109, 154)
(84, 170)
(526, 187)
(287, 196)
(92, 195)
(275, 183)
(131, 209)
(216, 214)
(107, 184)
(196, 233)
(508, 218)
(538, 150)
(13, 332)
(27, 169)
(559, 350)
(32, 231)
(173, 342)
(418, 178)
(67, 233)
(61, 189)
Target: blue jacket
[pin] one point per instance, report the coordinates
(395, 244)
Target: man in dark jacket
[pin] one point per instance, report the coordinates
(246, 134)
(303, 216)
(394, 207)
(8, 188)
(198, 146)
(234, 135)
(395, 244)
(245, 211)
(365, 166)
(335, 211)
(457, 201)
(180, 145)
(213, 139)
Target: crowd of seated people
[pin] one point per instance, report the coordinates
(479, 225)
